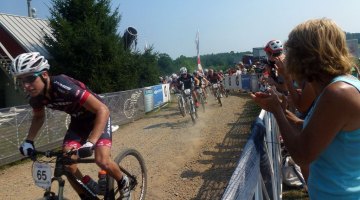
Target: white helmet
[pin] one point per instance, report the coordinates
(174, 76)
(28, 63)
(183, 70)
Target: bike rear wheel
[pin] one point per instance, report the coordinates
(132, 164)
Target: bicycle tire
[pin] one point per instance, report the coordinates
(202, 100)
(132, 164)
(181, 104)
(53, 198)
(192, 112)
(218, 97)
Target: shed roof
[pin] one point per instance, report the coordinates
(27, 31)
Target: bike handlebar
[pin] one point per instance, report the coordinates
(64, 156)
(51, 153)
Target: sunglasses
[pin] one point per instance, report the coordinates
(30, 79)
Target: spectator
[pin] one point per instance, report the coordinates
(273, 50)
(330, 138)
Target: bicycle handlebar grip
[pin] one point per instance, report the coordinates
(84, 152)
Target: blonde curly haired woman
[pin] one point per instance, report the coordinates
(329, 142)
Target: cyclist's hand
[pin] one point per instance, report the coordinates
(27, 148)
(85, 150)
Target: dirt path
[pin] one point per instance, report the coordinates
(184, 161)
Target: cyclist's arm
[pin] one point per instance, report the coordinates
(102, 115)
(36, 123)
(197, 81)
(207, 82)
(218, 77)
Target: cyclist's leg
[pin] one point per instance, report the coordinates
(203, 88)
(73, 141)
(195, 97)
(104, 161)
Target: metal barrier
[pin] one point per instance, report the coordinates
(257, 175)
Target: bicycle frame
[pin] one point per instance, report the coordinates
(189, 101)
(61, 162)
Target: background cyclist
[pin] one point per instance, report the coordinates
(189, 82)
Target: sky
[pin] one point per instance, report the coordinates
(170, 26)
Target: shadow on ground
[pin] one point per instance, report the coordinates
(223, 161)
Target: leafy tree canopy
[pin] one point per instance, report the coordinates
(85, 44)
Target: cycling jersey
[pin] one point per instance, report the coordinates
(66, 94)
(214, 78)
(188, 81)
(69, 95)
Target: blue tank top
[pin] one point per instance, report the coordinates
(335, 174)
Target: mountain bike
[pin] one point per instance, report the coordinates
(201, 97)
(216, 91)
(129, 161)
(190, 104)
(181, 104)
(224, 91)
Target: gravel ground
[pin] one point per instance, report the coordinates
(184, 161)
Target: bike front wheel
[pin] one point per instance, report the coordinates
(202, 101)
(218, 97)
(132, 164)
(181, 105)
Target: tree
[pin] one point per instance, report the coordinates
(165, 64)
(85, 43)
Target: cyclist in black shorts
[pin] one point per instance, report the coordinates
(90, 126)
(189, 82)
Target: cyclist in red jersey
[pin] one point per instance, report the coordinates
(213, 77)
(90, 126)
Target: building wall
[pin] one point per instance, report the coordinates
(10, 43)
(259, 52)
(9, 96)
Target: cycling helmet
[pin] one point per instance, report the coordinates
(174, 76)
(183, 70)
(28, 63)
(274, 46)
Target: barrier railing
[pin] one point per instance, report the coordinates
(248, 82)
(257, 175)
(125, 107)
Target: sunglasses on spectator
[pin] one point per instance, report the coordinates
(30, 79)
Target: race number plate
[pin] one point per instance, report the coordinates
(42, 174)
